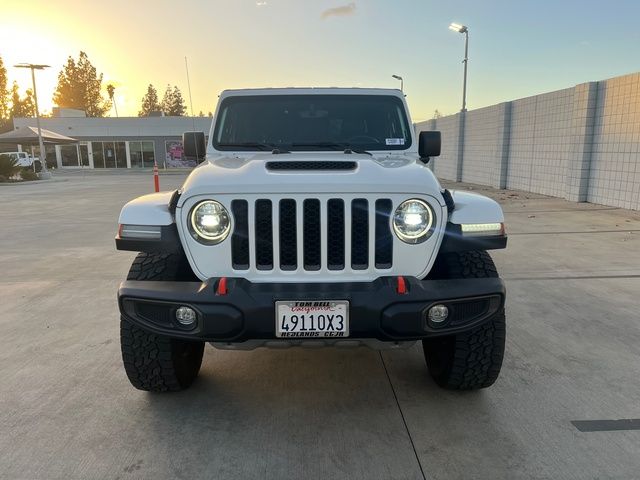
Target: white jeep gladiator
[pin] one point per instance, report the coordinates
(313, 219)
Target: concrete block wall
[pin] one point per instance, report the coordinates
(580, 143)
(446, 165)
(540, 143)
(615, 160)
(483, 145)
(585, 99)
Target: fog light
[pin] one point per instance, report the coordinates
(438, 314)
(186, 316)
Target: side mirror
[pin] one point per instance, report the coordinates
(429, 145)
(194, 145)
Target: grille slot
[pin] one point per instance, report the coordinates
(360, 234)
(384, 240)
(311, 234)
(288, 235)
(240, 237)
(264, 235)
(335, 234)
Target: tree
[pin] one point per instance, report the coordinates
(165, 105)
(173, 103)
(150, 102)
(29, 103)
(179, 108)
(4, 93)
(5, 110)
(437, 114)
(22, 107)
(111, 90)
(80, 86)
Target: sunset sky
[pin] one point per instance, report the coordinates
(517, 48)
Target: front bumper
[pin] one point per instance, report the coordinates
(247, 310)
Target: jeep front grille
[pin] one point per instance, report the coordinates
(312, 234)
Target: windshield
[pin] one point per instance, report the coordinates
(312, 123)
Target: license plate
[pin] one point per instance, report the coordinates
(312, 319)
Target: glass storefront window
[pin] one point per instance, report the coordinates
(142, 154)
(135, 151)
(148, 154)
(84, 154)
(109, 155)
(98, 155)
(121, 154)
(69, 154)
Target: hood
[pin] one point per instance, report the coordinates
(255, 173)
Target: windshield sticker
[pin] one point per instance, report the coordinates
(395, 141)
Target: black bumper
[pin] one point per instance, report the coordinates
(247, 311)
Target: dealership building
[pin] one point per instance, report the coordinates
(126, 142)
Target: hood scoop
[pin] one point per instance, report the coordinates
(285, 165)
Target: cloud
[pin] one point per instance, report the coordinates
(261, 3)
(348, 9)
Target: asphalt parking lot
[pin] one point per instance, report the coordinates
(67, 410)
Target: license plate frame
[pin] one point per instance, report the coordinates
(310, 316)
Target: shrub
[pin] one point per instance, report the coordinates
(3, 179)
(28, 174)
(8, 166)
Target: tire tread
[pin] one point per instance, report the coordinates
(148, 358)
(473, 358)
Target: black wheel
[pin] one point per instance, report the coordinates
(157, 363)
(472, 359)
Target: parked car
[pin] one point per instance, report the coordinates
(314, 221)
(25, 160)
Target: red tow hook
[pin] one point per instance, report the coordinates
(222, 286)
(402, 286)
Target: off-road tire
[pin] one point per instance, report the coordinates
(157, 363)
(472, 359)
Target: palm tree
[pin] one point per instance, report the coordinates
(110, 91)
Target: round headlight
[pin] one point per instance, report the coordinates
(210, 222)
(413, 221)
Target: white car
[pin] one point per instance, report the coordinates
(23, 159)
(313, 221)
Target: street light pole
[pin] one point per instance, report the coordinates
(44, 173)
(463, 29)
(398, 77)
(466, 62)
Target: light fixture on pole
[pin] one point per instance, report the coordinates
(398, 77)
(44, 173)
(456, 27)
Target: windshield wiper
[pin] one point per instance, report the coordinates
(345, 147)
(263, 147)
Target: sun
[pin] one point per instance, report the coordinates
(41, 48)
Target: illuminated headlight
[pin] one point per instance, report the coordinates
(413, 221)
(209, 222)
(482, 229)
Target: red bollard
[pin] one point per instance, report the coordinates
(156, 179)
